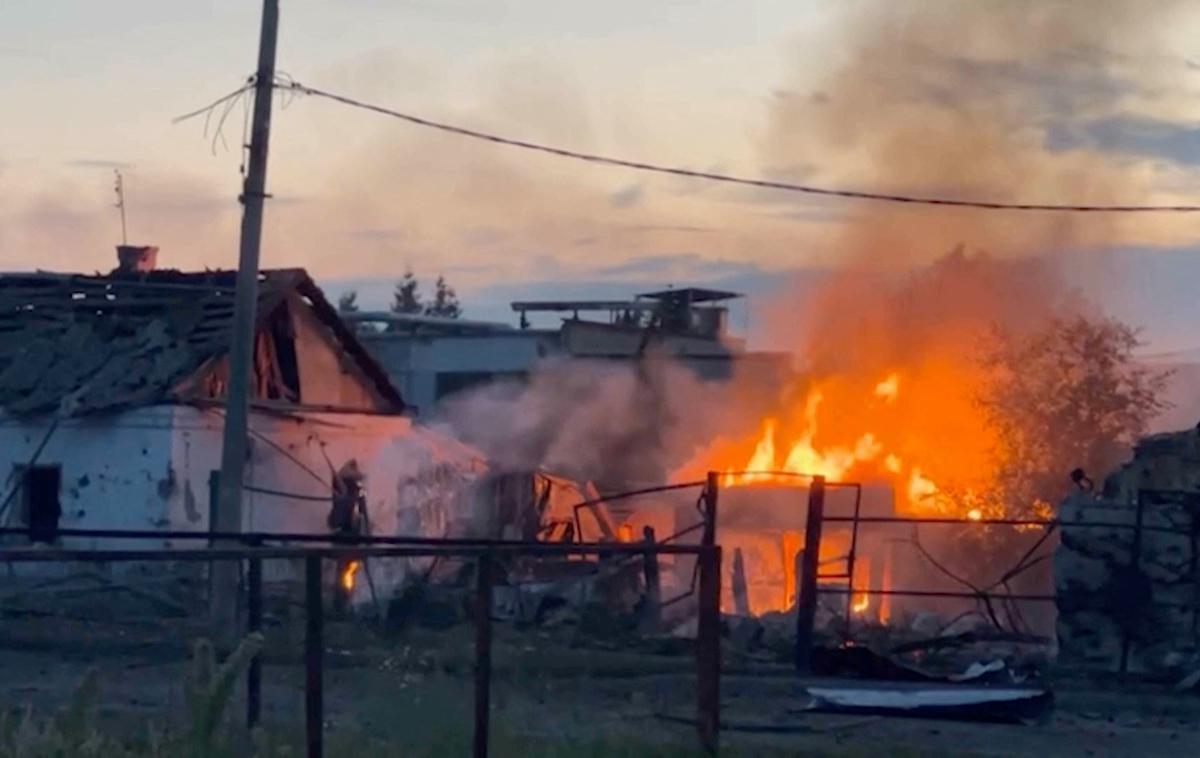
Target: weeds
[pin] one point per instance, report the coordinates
(73, 732)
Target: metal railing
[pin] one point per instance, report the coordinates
(255, 548)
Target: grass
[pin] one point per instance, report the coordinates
(545, 704)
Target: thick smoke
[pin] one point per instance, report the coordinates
(956, 99)
(968, 100)
(616, 424)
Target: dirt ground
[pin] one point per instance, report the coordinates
(405, 692)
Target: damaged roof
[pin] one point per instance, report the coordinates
(79, 344)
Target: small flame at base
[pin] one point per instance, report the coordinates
(347, 578)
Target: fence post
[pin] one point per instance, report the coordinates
(806, 603)
(254, 624)
(711, 495)
(708, 651)
(314, 705)
(214, 488)
(214, 493)
(652, 613)
(483, 653)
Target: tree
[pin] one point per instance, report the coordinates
(348, 302)
(407, 298)
(1065, 396)
(445, 301)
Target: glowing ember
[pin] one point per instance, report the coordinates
(347, 578)
(975, 514)
(861, 604)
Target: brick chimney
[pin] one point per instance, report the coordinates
(136, 258)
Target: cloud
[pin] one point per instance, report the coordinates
(483, 235)
(1130, 134)
(692, 267)
(376, 235)
(684, 228)
(627, 198)
(98, 163)
(988, 101)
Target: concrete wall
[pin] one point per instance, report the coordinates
(149, 469)
(414, 363)
(409, 470)
(116, 469)
(1113, 586)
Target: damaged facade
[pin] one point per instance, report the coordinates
(111, 394)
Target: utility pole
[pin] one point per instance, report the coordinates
(241, 355)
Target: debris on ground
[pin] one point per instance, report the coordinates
(955, 702)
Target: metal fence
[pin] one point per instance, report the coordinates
(256, 548)
(253, 548)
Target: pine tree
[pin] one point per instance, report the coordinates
(348, 302)
(445, 301)
(407, 298)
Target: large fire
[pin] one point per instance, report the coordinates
(915, 432)
(873, 437)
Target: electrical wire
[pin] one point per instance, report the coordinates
(294, 86)
(208, 109)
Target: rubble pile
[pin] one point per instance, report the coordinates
(1128, 596)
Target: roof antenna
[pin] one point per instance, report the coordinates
(119, 188)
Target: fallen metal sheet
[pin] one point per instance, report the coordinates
(954, 702)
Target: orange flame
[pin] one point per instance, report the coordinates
(347, 577)
(867, 454)
(913, 430)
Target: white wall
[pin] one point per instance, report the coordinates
(407, 467)
(417, 481)
(149, 469)
(116, 469)
(414, 362)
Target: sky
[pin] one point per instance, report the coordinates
(1004, 99)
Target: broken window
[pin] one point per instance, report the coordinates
(40, 506)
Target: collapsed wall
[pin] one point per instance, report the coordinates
(1126, 573)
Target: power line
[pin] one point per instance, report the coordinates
(208, 109)
(293, 86)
